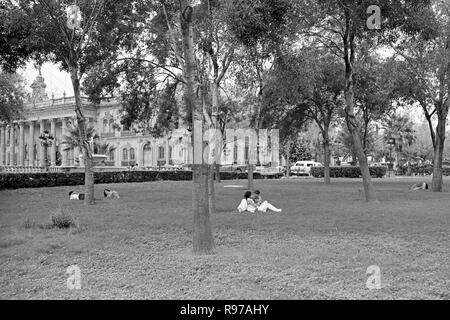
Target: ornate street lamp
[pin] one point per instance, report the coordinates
(46, 140)
(391, 142)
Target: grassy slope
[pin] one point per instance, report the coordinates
(319, 247)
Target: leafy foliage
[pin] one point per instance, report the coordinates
(12, 95)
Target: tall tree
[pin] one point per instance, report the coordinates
(77, 37)
(165, 61)
(340, 26)
(284, 111)
(310, 79)
(203, 241)
(217, 47)
(425, 51)
(262, 27)
(376, 93)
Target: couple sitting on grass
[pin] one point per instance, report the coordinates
(253, 202)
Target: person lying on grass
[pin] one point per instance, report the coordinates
(247, 204)
(420, 186)
(107, 193)
(76, 196)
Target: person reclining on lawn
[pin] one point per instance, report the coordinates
(107, 193)
(76, 196)
(248, 204)
(420, 186)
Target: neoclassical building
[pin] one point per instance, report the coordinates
(20, 145)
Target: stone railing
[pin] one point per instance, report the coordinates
(26, 169)
(55, 102)
(20, 169)
(107, 134)
(128, 133)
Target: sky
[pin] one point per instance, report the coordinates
(57, 81)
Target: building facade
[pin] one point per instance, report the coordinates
(20, 145)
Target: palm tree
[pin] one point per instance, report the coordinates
(401, 128)
(103, 147)
(73, 139)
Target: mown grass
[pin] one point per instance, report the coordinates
(139, 247)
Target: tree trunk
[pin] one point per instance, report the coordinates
(437, 182)
(211, 190)
(250, 177)
(203, 242)
(326, 160)
(218, 142)
(349, 58)
(442, 109)
(288, 161)
(85, 146)
(217, 169)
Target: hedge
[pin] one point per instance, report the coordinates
(348, 172)
(426, 170)
(53, 179)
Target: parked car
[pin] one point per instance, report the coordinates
(379, 164)
(267, 170)
(304, 167)
(234, 168)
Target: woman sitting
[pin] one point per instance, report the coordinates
(248, 204)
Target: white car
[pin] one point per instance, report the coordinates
(304, 167)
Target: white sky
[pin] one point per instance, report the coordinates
(57, 81)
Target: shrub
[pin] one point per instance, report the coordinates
(52, 179)
(348, 172)
(28, 223)
(62, 219)
(426, 170)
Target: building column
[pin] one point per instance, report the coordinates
(31, 155)
(76, 150)
(117, 155)
(76, 156)
(167, 147)
(53, 146)
(11, 145)
(240, 149)
(70, 153)
(2, 145)
(275, 145)
(41, 148)
(21, 161)
(140, 154)
(155, 153)
(64, 159)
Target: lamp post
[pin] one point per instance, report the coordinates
(391, 142)
(46, 140)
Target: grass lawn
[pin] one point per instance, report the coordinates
(319, 247)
